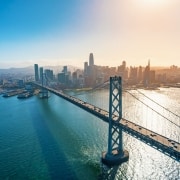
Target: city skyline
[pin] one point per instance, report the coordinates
(61, 32)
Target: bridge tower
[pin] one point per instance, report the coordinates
(115, 154)
(44, 92)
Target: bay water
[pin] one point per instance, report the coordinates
(53, 139)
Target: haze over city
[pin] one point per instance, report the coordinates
(64, 32)
(90, 89)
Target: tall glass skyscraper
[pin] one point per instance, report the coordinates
(36, 70)
(91, 60)
(41, 73)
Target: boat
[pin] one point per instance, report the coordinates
(24, 95)
(12, 93)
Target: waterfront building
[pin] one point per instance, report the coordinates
(20, 83)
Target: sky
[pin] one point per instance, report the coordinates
(65, 32)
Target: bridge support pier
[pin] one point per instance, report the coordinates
(44, 92)
(115, 154)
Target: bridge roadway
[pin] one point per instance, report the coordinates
(165, 145)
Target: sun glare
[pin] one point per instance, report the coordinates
(153, 2)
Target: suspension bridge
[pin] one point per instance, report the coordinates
(117, 123)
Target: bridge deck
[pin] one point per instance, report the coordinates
(157, 141)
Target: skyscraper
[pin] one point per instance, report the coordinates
(124, 65)
(65, 69)
(85, 68)
(146, 79)
(36, 72)
(41, 73)
(140, 74)
(91, 60)
(149, 64)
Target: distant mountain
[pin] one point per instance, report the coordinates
(26, 70)
(30, 70)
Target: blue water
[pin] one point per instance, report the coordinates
(54, 139)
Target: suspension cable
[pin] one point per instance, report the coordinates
(152, 109)
(104, 84)
(158, 104)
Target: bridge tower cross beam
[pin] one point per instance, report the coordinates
(115, 154)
